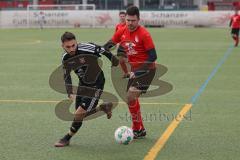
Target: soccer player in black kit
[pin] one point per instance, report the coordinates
(82, 59)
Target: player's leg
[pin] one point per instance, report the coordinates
(84, 106)
(94, 93)
(79, 114)
(41, 24)
(136, 87)
(234, 34)
(122, 61)
(92, 102)
(134, 108)
(237, 37)
(106, 107)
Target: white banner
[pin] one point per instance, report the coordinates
(62, 18)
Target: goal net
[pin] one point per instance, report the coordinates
(60, 16)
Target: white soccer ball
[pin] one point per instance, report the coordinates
(123, 135)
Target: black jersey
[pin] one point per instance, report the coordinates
(85, 65)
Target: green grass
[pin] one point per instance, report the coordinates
(29, 130)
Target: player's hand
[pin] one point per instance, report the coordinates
(72, 97)
(132, 75)
(109, 46)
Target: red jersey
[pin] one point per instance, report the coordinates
(119, 26)
(235, 19)
(136, 44)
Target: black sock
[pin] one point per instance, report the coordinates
(75, 126)
(67, 137)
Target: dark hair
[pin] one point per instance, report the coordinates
(122, 12)
(132, 11)
(67, 36)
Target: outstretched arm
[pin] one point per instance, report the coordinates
(105, 51)
(109, 45)
(111, 57)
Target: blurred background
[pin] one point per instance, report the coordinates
(104, 13)
(122, 4)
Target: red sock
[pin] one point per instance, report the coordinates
(124, 67)
(134, 109)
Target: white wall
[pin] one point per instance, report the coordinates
(21, 19)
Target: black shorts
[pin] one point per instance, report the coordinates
(235, 31)
(142, 81)
(121, 52)
(88, 96)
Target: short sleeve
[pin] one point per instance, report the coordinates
(116, 38)
(148, 42)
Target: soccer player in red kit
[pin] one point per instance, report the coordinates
(141, 54)
(235, 25)
(120, 52)
(122, 19)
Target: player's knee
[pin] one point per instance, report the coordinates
(130, 98)
(79, 114)
(132, 95)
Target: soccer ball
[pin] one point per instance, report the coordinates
(123, 135)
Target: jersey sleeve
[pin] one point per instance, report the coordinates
(102, 51)
(99, 50)
(116, 38)
(89, 48)
(148, 42)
